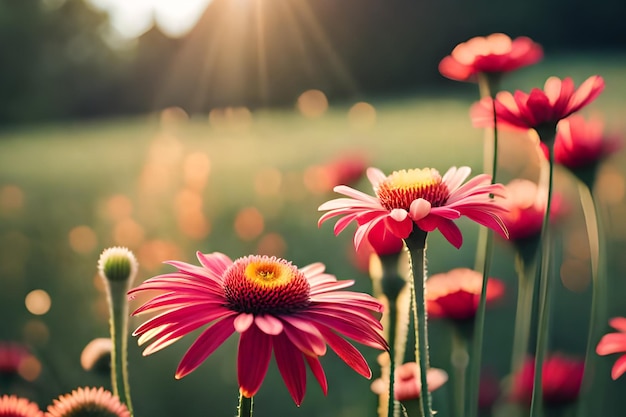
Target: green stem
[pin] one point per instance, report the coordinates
(245, 406)
(536, 409)
(118, 321)
(483, 262)
(459, 360)
(392, 285)
(523, 314)
(599, 314)
(416, 244)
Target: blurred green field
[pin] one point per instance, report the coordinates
(69, 191)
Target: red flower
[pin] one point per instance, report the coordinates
(527, 205)
(456, 293)
(493, 54)
(540, 108)
(272, 306)
(561, 379)
(13, 406)
(407, 385)
(615, 343)
(580, 144)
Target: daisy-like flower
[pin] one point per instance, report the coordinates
(407, 384)
(87, 402)
(526, 203)
(273, 305)
(582, 143)
(494, 54)
(455, 294)
(561, 380)
(539, 109)
(417, 198)
(12, 406)
(615, 343)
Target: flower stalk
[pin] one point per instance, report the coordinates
(416, 244)
(244, 409)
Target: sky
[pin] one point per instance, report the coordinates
(131, 18)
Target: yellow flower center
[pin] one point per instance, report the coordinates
(263, 284)
(401, 188)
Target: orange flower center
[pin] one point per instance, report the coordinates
(401, 188)
(263, 284)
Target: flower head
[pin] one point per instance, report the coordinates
(455, 294)
(561, 379)
(539, 109)
(493, 54)
(273, 305)
(407, 385)
(526, 203)
(615, 343)
(417, 197)
(117, 264)
(12, 406)
(88, 402)
(582, 143)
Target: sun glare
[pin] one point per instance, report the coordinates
(132, 18)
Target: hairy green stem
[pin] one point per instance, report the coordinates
(416, 244)
(118, 321)
(526, 288)
(245, 406)
(459, 360)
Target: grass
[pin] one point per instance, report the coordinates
(66, 176)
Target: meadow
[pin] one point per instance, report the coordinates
(238, 181)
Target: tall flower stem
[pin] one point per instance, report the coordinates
(483, 262)
(459, 360)
(245, 406)
(599, 314)
(416, 244)
(526, 288)
(544, 283)
(389, 286)
(118, 321)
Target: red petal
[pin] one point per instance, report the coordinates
(291, 367)
(253, 359)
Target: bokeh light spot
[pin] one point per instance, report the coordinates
(82, 239)
(172, 116)
(611, 185)
(36, 332)
(312, 104)
(153, 253)
(196, 168)
(38, 302)
(575, 274)
(249, 223)
(362, 116)
(128, 233)
(11, 198)
(29, 368)
(272, 244)
(267, 181)
(119, 207)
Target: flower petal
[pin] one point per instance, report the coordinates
(253, 359)
(269, 324)
(243, 321)
(205, 345)
(318, 372)
(348, 353)
(419, 209)
(619, 368)
(291, 367)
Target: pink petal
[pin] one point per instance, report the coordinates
(618, 323)
(611, 343)
(619, 368)
(402, 229)
(269, 324)
(215, 262)
(375, 175)
(454, 177)
(243, 321)
(205, 344)
(253, 359)
(291, 367)
(318, 372)
(451, 232)
(348, 353)
(588, 91)
(419, 209)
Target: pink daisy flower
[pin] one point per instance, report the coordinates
(540, 108)
(273, 305)
(12, 406)
(87, 402)
(493, 54)
(418, 198)
(615, 343)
